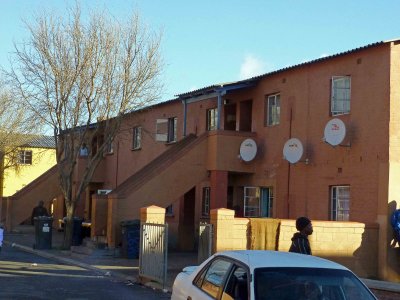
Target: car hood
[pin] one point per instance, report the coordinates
(189, 270)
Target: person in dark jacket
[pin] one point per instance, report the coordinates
(39, 211)
(300, 242)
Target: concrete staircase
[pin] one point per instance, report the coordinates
(156, 183)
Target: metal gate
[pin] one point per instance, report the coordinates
(205, 242)
(153, 252)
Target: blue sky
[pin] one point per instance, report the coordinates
(208, 42)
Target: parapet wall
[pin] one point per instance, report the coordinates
(352, 244)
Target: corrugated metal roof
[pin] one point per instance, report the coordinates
(211, 88)
(38, 141)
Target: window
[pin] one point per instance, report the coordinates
(258, 202)
(340, 200)
(25, 157)
(340, 97)
(166, 130)
(172, 126)
(205, 205)
(169, 210)
(211, 279)
(83, 151)
(212, 116)
(273, 114)
(110, 147)
(137, 138)
(237, 285)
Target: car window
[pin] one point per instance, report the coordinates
(237, 286)
(308, 283)
(211, 279)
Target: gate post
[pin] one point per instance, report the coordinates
(152, 214)
(223, 221)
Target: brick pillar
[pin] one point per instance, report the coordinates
(152, 214)
(112, 222)
(219, 189)
(9, 214)
(99, 215)
(223, 221)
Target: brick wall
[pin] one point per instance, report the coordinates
(351, 244)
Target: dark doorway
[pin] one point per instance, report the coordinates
(230, 117)
(245, 115)
(230, 198)
(186, 223)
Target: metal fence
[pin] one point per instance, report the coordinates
(153, 252)
(205, 242)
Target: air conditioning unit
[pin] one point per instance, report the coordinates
(103, 192)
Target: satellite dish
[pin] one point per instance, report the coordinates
(248, 150)
(293, 150)
(335, 132)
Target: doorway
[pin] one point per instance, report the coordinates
(186, 222)
(230, 117)
(246, 108)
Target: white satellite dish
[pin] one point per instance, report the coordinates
(335, 132)
(248, 150)
(293, 150)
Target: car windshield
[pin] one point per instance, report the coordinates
(308, 283)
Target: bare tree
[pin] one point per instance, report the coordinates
(81, 78)
(16, 130)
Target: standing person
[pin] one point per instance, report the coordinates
(39, 211)
(300, 242)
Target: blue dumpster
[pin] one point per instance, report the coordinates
(130, 238)
(43, 232)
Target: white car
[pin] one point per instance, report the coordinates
(268, 275)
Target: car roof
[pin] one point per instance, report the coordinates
(264, 258)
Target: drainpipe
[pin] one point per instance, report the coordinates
(220, 94)
(184, 116)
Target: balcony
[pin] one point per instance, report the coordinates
(223, 151)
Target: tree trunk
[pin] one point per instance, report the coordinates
(69, 225)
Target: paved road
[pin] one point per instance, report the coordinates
(27, 276)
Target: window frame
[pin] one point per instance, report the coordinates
(24, 158)
(246, 199)
(346, 102)
(273, 111)
(205, 201)
(137, 138)
(212, 118)
(172, 130)
(200, 278)
(335, 210)
(259, 191)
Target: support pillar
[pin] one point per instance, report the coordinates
(223, 221)
(112, 222)
(219, 189)
(152, 214)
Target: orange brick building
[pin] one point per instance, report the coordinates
(189, 156)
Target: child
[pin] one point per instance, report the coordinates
(1, 236)
(300, 243)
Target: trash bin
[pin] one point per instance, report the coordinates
(130, 238)
(43, 232)
(77, 232)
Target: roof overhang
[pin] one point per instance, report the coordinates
(215, 91)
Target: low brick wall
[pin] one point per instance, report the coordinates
(351, 244)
